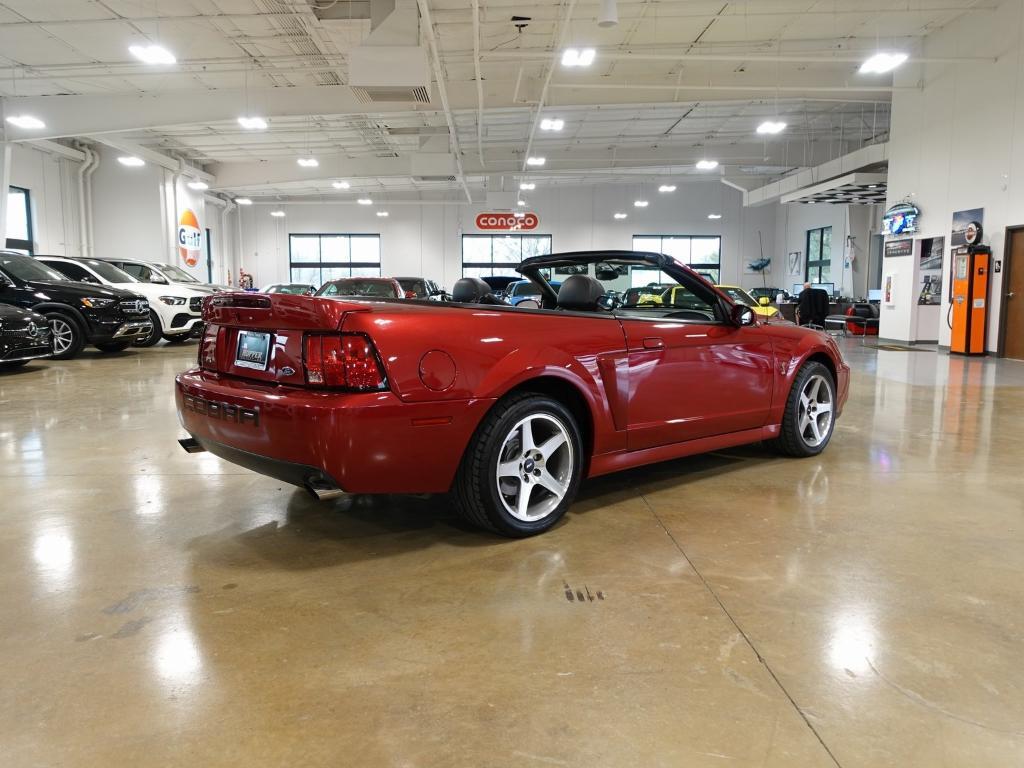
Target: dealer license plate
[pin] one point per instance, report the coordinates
(253, 350)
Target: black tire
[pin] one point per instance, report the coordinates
(477, 490)
(13, 365)
(803, 441)
(179, 338)
(68, 328)
(113, 346)
(155, 335)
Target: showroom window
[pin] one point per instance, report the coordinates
(315, 259)
(702, 254)
(19, 221)
(487, 255)
(819, 255)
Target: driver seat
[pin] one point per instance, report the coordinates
(473, 290)
(580, 293)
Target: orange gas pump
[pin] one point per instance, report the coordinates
(969, 308)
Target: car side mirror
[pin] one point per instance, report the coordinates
(741, 315)
(608, 302)
(154, 278)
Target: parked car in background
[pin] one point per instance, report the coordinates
(524, 290)
(24, 336)
(164, 274)
(421, 288)
(499, 283)
(174, 311)
(644, 296)
(771, 294)
(504, 409)
(363, 287)
(78, 313)
(737, 294)
(294, 289)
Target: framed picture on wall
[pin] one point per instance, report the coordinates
(795, 263)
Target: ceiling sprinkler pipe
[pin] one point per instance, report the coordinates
(609, 15)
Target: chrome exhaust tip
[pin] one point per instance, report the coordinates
(191, 445)
(323, 490)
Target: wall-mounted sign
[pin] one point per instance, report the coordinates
(895, 248)
(962, 220)
(901, 219)
(507, 222)
(190, 238)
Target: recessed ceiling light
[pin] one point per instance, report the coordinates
(519, 215)
(27, 122)
(197, 184)
(667, 188)
(872, 186)
(340, 184)
(277, 214)
(620, 215)
(383, 213)
(131, 161)
(364, 201)
(771, 127)
(707, 165)
(714, 215)
(536, 160)
(575, 57)
(243, 201)
(521, 203)
(640, 203)
(527, 186)
(881, 63)
(152, 54)
(308, 162)
(552, 124)
(253, 123)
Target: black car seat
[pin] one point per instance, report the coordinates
(580, 293)
(473, 290)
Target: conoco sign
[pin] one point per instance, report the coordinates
(507, 222)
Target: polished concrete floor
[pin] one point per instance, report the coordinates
(739, 609)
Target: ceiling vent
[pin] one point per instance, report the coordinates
(391, 65)
(381, 93)
(434, 178)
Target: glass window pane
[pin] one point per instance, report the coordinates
(650, 244)
(677, 247)
(17, 215)
(826, 241)
(366, 249)
(476, 271)
(333, 249)
(365, 271)
(476, 249)
(826, 273)
(305, 249)
(705, 250)
(536, 246)
(333, 273)
(813, 245)
(307, 275)
(508, 249)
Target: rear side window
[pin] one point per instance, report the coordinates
(73, 271)
(137, 271)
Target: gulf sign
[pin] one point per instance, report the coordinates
(506, 222)
(190, 237)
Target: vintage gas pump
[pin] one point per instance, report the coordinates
(969, 309)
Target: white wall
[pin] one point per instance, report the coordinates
(958, 143)
(425, 239)
(53, 193)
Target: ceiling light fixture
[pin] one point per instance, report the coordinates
(131, 161)
(714, 215)
(27, 122)
(608, 15)
(527, 186)
(277, 214)
(667, 188)
(552, 124)
(707, 165)
(308, 162)
(538, 161)
(771, 127)
(640, 203)
(620, 215)
(243, 201)
(882, 62)
(575, 57)
(253, 123)
(383, 213)
(364, 201)
(340, 184)
(197, 184)
(152, 54)
(519, 215)
(521, 203)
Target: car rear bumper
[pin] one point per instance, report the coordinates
(359, 442)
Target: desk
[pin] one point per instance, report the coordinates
(788, 310)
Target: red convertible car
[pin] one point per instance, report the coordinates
(505, 408)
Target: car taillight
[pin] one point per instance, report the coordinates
(345, 361)
(208, 348)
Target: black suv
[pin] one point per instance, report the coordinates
(77, 313)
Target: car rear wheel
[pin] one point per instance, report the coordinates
(810, 412)
(522, 468)
(68, 337)
(154, 335)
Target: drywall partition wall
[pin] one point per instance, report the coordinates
(52, 184)
(957, 142)
(425, 238)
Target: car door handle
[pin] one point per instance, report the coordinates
(653, 342)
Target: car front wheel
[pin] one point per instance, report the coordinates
(68, 338)
(522, 468)
(810, 413)
(154, 335)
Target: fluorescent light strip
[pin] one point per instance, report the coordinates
(308, 162)
(152, 54)
(253, 123)
(27, 122)
(707, 165)
(575, 57)
(882, 62)
(131, 161)
(667, 188)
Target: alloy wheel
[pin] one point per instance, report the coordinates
(63, 335)
(816, 411)
(535, 467)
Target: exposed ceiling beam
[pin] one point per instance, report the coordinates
(286, 171)
(54, 148)
(152, 156)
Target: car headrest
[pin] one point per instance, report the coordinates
(469, 290)
(580, 292)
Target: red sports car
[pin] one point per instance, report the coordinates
(505, 408)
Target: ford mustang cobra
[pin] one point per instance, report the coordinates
(506, 409)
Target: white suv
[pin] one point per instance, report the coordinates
(176, 311)
(164, 274)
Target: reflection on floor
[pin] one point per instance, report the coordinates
(861, 609)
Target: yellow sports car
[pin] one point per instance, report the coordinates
(739, 295)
